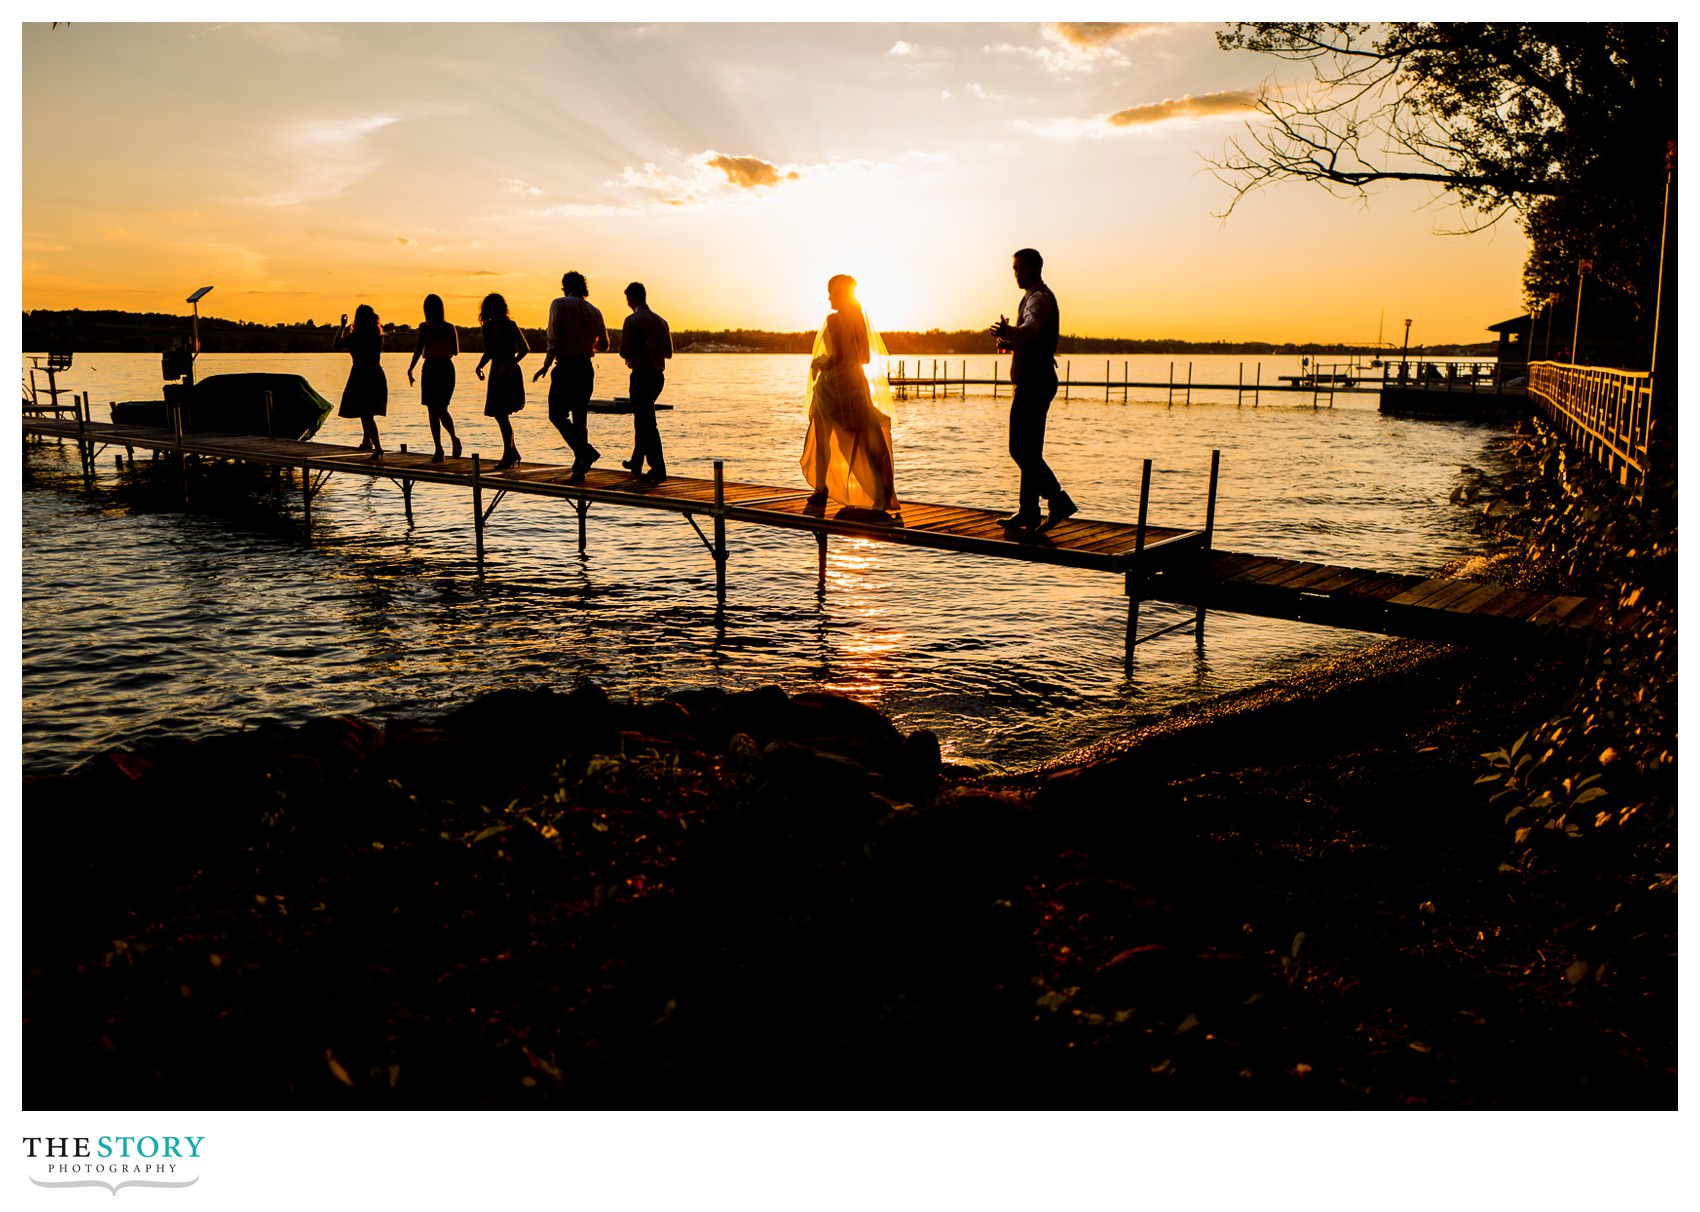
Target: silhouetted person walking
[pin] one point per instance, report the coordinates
(366, 394)
(504, 346)
(1032, 342)
(576, 331)
(645, 343)
(438, 344)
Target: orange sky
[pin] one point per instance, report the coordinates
(302, 169)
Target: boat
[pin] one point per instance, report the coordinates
(237, 404)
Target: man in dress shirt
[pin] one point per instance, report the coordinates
(576, 331)
(1032, 342)
(645, 343)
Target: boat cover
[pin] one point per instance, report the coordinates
(237, 404)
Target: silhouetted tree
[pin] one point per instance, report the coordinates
(1564, 125)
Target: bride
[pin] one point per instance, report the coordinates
(847, 453)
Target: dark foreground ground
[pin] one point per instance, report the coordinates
(1291, 898)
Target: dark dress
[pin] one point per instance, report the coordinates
(367, 392)
(437, 370)
(505, 390)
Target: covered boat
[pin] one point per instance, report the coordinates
(237, 404)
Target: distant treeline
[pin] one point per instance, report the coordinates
(151, 332)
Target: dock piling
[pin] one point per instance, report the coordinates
(406, 482)
(478, 511)
(1209, 533)
(820, 540)
(583, 508)
(1135, 574)
(720, 532)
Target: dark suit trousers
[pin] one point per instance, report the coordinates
(646, 387)
(569, 401)
(1027, 414)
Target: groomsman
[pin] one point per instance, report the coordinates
(576, 331)
(1032, 340)
(645, 343)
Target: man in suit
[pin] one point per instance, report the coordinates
(1032, 343)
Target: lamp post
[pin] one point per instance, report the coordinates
(1582, 268)
(194, 301)
(1404, 353)
(1552, 306)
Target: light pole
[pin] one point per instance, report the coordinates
(194, 301)
(1404, 354)
(1582, 268)
(1552, 306)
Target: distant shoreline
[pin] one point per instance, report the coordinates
(152, 332)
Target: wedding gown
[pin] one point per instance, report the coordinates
(847, 452)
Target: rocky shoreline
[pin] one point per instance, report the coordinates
(1289, 897)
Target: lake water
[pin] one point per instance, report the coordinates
(140, 620)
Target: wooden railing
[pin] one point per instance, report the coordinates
(1607, 414)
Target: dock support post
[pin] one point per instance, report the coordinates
(820, 541)
(1171, 384)
(271, 421)
(478, 513)
(720, 532)
(1189, 384)
(994, 378)
(1068, 376)
(85, 448)
(583, 508)
(406, 483)
(1209, 532)
(1106, 380)
(1135, 575)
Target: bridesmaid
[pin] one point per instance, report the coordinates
(367, 393)
(438, 344)
(504, 348)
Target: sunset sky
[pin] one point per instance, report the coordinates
(302, 169)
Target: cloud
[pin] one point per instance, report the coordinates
(321, 157)
(902, 48)
(1208, 105)
(706, 175)
(405, 242)
(34, 245)
(515, 186)
(1078, 46)
(1098, 33)
(749, 172)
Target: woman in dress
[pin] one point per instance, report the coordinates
(438, 344)
(847, 453)
(504, 347)
(367, 393)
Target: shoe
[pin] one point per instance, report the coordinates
(1062, 506)
(437, 458)
(653, 476)
(816, 498)
(505, 462)
(576, 476)
(456, 453)
(1019, 521)
(516, 454)
(591, 454)
(632, 465)
(377, 455)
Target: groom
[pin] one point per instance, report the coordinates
(1032, 342)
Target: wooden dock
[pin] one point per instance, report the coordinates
(1168, 563)
(1439, 608)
